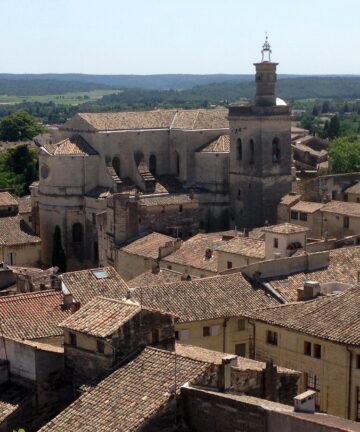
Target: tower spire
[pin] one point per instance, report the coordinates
(266, 50)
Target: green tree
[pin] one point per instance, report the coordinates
(334, 127)
(19, 125)
(58, 255)
(344, 155)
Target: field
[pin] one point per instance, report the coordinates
(63, 99)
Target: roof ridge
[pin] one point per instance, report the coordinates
(43, 293)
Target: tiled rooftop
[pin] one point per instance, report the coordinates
(245, 246)
(285, 228)
(149, 278)
(354, 189)
(131, 395)
(156, 119)
(203, 354)
(218, 145)
(344, 266)
(166, 199)
(75, 145)
(192, 252)
(148, 246)
(15, 231)
(84, 285)
(6, 199)
(307, 206)
(101, 316)
(206, 298)
(24, 204)
(32, 315)
(342, 207)
(11, 398)
(335, 318)
(290, 199)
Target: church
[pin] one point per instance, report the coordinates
(113, 176)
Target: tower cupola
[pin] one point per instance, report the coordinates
(265, 77)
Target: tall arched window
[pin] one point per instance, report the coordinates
(177, 163)
(239, 149)
(251, 152)
(275, 156)
(77, 233)
(152, 164)
(116, 165)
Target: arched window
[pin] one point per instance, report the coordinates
(275, 157)
(116, 165)
(177, 163)
(77, 232)
(239, 149)
(152, 164)
(251, 151)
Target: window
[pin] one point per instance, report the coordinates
(275, 151)
(358, 200)
(169, 267)
(276, 243)
(96, 251)
(240, 350)
(152, 164)
(317, 351)
(313, 383)
(229, 264)
(239, 149)
(251, 152)
(9, 209)
(357, 403)
(346, 222)
(11, 258)
(303, 216)
(358, 361)
(77, 232)
(333, 194)
(155, 337)
(116, 166)
(307, 348)
(177, 163)
(94, 218)
(241, 324)
(271, 337)
(294, 215)
(73, 339)
(176, 335)
(206, 331)
(180, 208)
(239, 193)
(100, 346)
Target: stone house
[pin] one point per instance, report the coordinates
(18, 243)
(8, 205)
(341, 219)
(307, 214)
(320, 338)
(93, 345)
(352, 194)
(284, 205)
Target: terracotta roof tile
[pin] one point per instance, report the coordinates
(285, 228)
(148, 246)
(11, 398)
(15, 231)
(84, 285)
(6, 199)
(290, 199)
(131, 395)
(245, 246)
(101, 316)
(166, 199)
(342, 207)
(75, 145)
(219, 145)
(354, 189)
(158, 119)
(335, 318)
(307, 206)
(343, 267)
(24, 204)
(206, 298)
(32, 315)
(149, 278)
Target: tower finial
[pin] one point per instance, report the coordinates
(266, 49)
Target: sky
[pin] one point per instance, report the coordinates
(178, 36)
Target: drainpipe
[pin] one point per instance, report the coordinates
(349, 383)
(224, 333)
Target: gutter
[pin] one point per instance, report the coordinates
(224, 333)
(349, 383)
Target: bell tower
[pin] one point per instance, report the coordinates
(260, 151)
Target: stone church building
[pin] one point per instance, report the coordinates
(173, 171)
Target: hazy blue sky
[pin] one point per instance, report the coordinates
(178, 36)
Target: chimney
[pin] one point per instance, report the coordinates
(310, 290)
(305, 402)
(208, 253)
(75, 307)
(55, 282)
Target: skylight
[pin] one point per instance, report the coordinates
(100, 274)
